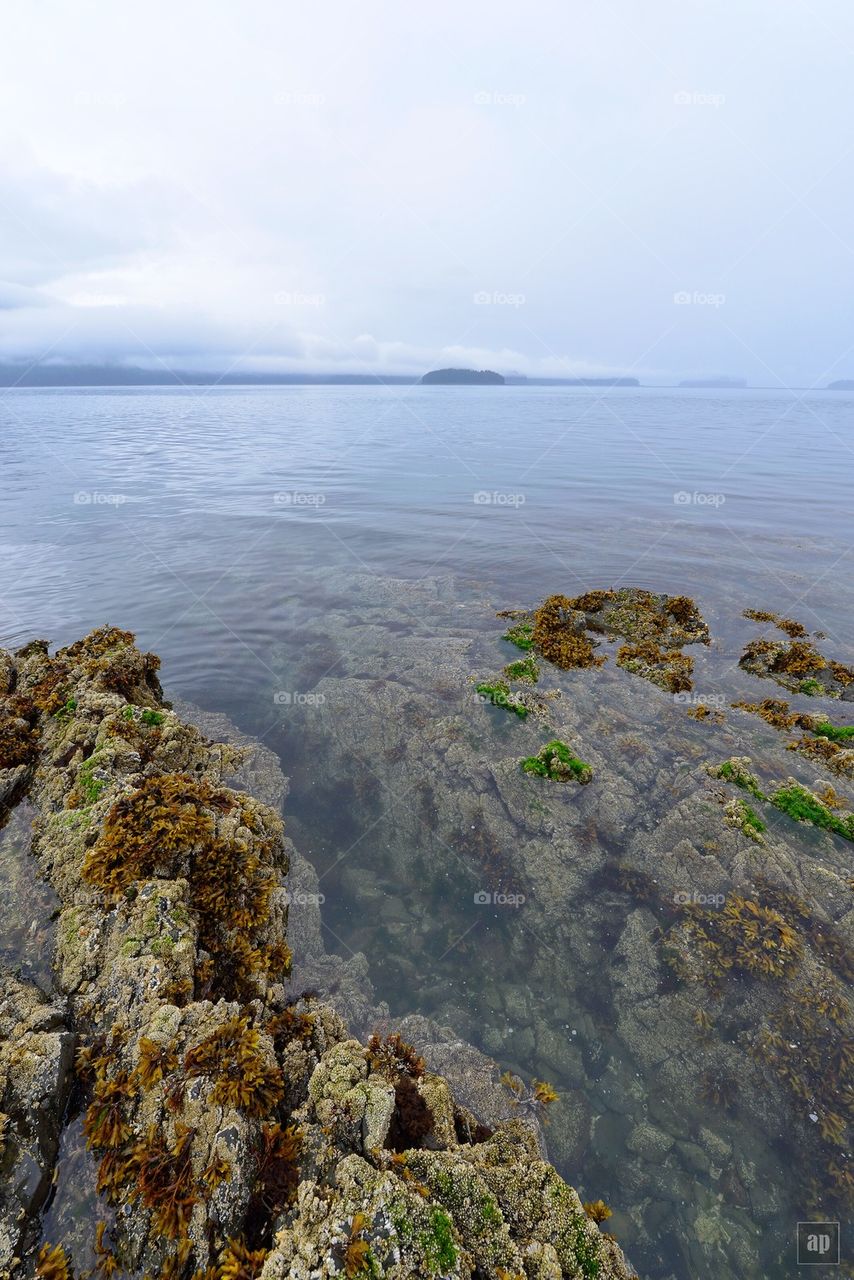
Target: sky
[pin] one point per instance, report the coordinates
(662, 190)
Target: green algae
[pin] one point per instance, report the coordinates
(752, 819)
(524, 669)
(521, 634)
(556, 761)
(801, 805)
(739, 814)
(438, 1243)
(836, 733)
(499, 694)
(146, 716)
(88, 786)
(736, 770)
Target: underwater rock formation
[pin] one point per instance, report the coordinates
(597, 981)
(235, 1127)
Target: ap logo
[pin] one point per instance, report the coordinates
(818, 1244)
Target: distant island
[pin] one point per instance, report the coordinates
(719, 383)
(463, 377)
(845, 384)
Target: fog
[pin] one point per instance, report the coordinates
(555, 189)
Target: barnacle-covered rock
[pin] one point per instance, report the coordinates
(36, 1050)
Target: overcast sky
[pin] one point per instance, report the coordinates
(662, 189)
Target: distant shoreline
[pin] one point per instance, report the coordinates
(102, 378)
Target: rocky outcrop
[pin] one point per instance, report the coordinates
(235, 1127)
(36, 1051)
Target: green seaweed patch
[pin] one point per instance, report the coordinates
(524, 669)
(738, 814)
(521, 634)
(499, 694)
(737, 771)
(556, 761)
(811, 687)
(752, 820)
(802, 805)
(586, 1252)
(438, 1242)
(836, 733)
(146, 716)
(88, 787)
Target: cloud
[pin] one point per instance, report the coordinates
(193, 196)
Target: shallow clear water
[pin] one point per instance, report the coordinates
(224, 526)
(200, 518)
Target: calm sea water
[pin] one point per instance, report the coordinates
(212, 521)
(199, 517)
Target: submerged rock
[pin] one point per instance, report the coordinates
(617, 964)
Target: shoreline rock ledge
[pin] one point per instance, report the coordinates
(213, 1126)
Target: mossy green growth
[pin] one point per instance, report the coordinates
(585, 1250)
(524, 669)
(66, 711)
(736, 770)
(811, 687)
(88, 785)
(489, 1211)
(556, 761)
(147, 716)
(739, 814)
(753, 820)
(836, 732)
(803, 806)
(401, 1220)
(438, 1243)
(498, 693)
(521, 634)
